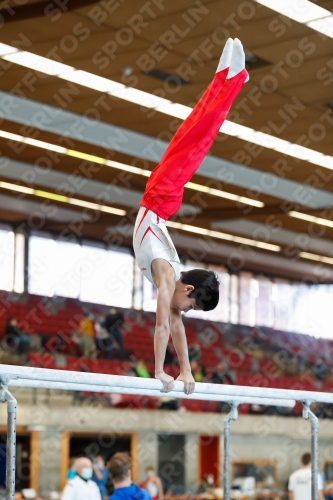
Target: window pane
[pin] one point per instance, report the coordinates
(6, 260)
(302, 312)
(313, 310)
(68, 265)
(247, 299)
(42, 266)
(94, 265)
(320, 300)
(19, 263)
(234, 299)
(264, 309)
(284, 306)
(119, 279)
(221, 312)
(106, 277)
(53, 267)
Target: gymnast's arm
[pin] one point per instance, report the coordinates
(164, 279)
(180, 343)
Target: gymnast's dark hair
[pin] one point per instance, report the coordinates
(206, 287)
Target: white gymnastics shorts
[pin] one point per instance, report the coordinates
(151, 240)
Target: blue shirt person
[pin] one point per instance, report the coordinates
(120, 471)
(100, 474)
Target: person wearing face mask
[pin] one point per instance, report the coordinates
(82, 487)
(100, 474)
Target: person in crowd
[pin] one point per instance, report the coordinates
(194, 352)
(207, 484)
(320, 370)
(15, 338)
(329, 491)
(71, 473)
(168, 403)
(102, 338)
(141, 370)
(81, 487)
(220, 375)
(153, 484)
(256, 410)
(120, 471)
(299, 486)
(113, 322)
(197, 371)
(100, 474)
(86, 342)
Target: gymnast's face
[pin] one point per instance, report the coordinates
(181, 299)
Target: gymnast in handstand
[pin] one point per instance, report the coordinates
(154, 250)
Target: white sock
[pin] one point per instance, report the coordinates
(226, 56)
(237, 63)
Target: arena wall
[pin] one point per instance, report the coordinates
(283, 439)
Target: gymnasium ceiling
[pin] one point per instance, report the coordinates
(289, 96)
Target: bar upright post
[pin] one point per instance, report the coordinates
(308, 415)
(6, 397)
(233, 415)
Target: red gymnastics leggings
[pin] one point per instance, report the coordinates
(190, 144)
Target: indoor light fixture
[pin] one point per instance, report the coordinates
(223, 236)
(318, 258)
(305, 12)
(32, 142)
(37, 63)
(311, 218)
(62, 199)
(151, 101)
(15, 187)
(282, 146)
(122, 166)
(224, 194)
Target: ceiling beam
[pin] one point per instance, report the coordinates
(41, 9)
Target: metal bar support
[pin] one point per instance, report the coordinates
(6, 397)
(308, 415)
(232, 415)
